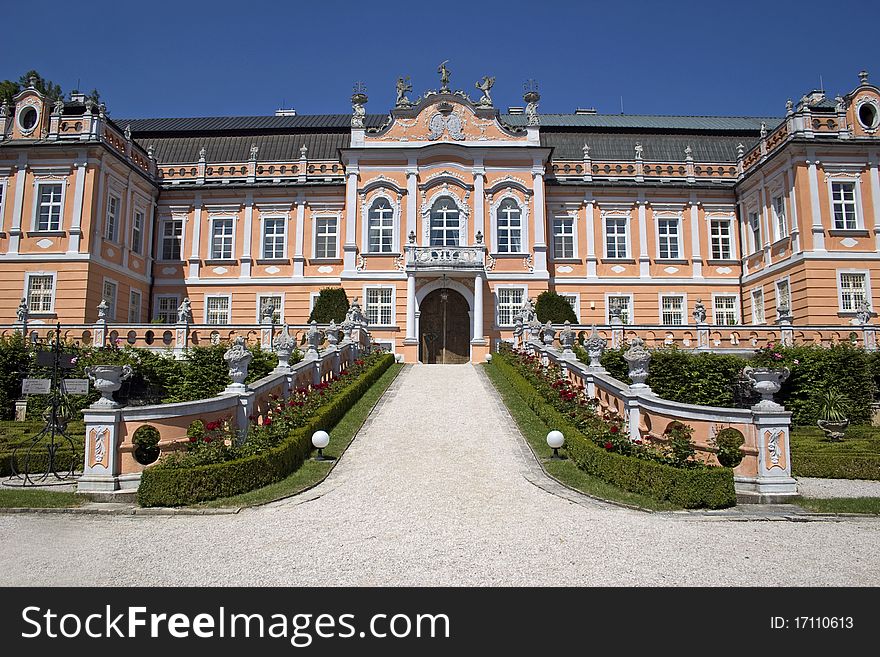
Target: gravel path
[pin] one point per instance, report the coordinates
(811, 487)
(435, 491)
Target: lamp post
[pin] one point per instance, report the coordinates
(555, 440)
(320, 439)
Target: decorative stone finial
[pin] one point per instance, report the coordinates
(840, 104)
(403, 87)
(358, 100)
(586, 150)
(548, 334)
(127, 132)
(444, 72)
(740, 151)
(783, 313)
(22, 311)
(789, 106)
(637, 357)
(58, 107)
(531, 98)
(688, 152)
(184, 312)
(102, 110)
(238, 358)
(485, 85)
(4, 110)
(253, 152)
(303, 152)
(479, 237)
(763, 132)
(103, 307)
(411, 238)
(863, 77)
(332, 334)
(567, 338)
(639, 148)
(313, 339)
(203, 153)
(151, 150)
(699, 312)
(32, 82)
(595, 346)
(284, 345)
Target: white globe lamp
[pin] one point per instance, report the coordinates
(320, 439)
(555, 440)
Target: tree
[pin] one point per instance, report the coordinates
(9, 88)
(554, 308)
(331, 304)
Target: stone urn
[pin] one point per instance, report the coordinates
(284, 345)
(238, 358)
(637, 357)
(834, 430)
(332, 334)
(595, 346)
(107, 380)
(548, 334)
(567, 338)
(767, 381)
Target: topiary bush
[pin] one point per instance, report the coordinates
(331, 304)
(554, 308)
(728, 442)
(146, 444)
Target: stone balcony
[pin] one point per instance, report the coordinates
(445, 258)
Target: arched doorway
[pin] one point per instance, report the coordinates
(444, 328)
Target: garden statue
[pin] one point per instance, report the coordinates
(22, 311)
(863, 312)
(767, 381)
(485, 85)
(548, 334)
(253, 152)
(238, 358)
(284, 345)
(314, 339)
(637, 357)
(184, 312)
(332, 334)
(403, 87)
(268, 314)
(103, 307)
(567, 338)
(595, 346)
(527, 310)
(614, 313)
(355, 315)
(699, 312)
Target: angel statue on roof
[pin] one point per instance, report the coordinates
(444, 76)
(485, 85)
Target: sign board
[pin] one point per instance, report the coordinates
(35, 386)
(75, 386)
(47, 359)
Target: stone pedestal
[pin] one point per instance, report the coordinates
(102, 466)
(773, 482)
(20, 410)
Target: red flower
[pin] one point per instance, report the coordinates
(614, 428)
(207, 439)
(609, 446)
(267, 422)
(193, 439)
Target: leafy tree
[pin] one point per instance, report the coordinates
(331, 304)
(8, 88)
(555, 308)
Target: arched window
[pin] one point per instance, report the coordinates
(509, 220)
(444, 222)
(381, 227)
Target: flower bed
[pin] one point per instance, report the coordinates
(213, 465)
(601, 446)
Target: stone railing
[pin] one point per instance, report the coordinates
(110, 462)
(765, 471)
(445, 257)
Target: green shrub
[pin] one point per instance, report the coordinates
(146, 443)
(681, 443)
(554, 308)
(180, 486)
(728, 442)
(331, 304)
(14, 363)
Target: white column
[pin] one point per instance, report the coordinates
(412, 197)
(589, 229)
(410, 309)
(350, 247)
(479, 200)
(644, 260)
(298, 258)
(874, 163)
(18, 208)
(540, 246)
(792, 205)
(246, 255)
(78, 196)
(816, 212)
(196, 237)
(767, 234)
(478, 310)
(695, 238)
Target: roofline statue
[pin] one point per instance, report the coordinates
(444, 72)
(485, 85)
(403, 87)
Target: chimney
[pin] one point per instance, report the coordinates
(77, 98)
(285, 112)
(585, 110)
(516, 110)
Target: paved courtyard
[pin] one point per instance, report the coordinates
(436, 490)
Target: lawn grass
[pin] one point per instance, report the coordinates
(311, 473)
(17, 498)
(869, 505)
(565, 471)
(857, 456)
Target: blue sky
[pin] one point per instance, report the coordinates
(226, 58)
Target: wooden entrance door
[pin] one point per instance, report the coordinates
(444, 328)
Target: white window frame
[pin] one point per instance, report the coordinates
(574, 236)
(213, 235)
(447, 228)
(263, 224)
(754, 238)
(228, 298)
(524, 289)
(574, 298)
(313, 297)
(162, 237)
(279, 310)
(626, 236)
(393, 289)
(506, 201)
(157, 306)
(684, 307)
(315, 219)
(868, 294)
(38, 183)
(112, 235)
(114, 303)
(392, 205)
(132, 306)
(854, 180)
(780, 222)
(756, 317)
(27, 287)
(2, 199)
(736, 307)
(142, 231)
(630, 305)
(678, 236)
(731, 240)
(787, 281)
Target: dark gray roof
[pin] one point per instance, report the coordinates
(236, 148)
(569, 145)
(648, 122)
(248, 123)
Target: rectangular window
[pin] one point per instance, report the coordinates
(40, 293)
(111, 226)
(721, 242)
(172, 233)
(563, 237)
(667, 231)
(853, 290)
(779, 217)
(134, 307)
(509, 227)
(724, 311)
(221, 239)
(755, 227)
(109, 295)
(510, 300)
(273, 238)
(758, 306)
(325, 237)
(573, 301)
(615, 238)
(49, 211)
(672, 309)
(166, 309)
(783, 294)
(380, 238)
(624, 303)
(217, 310)
(275, 301)
(378, 306)
(137, 232)
(843, 200)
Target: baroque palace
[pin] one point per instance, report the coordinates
(443, 216)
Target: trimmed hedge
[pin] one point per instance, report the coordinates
(19, 434)
(687, 487)
(836, 466)
(184, 486)
(555, 308)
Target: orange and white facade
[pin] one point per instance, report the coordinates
(442, 216)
